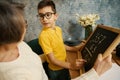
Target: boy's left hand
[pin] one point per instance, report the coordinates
(78, 64)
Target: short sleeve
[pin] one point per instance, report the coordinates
(44, 42)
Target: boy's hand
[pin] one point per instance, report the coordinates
(78, 64)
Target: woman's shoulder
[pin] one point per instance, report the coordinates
(24, 46)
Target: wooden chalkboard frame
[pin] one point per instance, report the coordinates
(96, 44)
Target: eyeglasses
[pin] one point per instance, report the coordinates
(47, 15)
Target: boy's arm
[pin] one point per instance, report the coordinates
(66, 65)
(76, 48)
(58, 62)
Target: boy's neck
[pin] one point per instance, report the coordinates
(52, 27)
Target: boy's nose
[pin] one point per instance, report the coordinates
(44, 18)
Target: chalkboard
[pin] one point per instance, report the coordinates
(103, 40)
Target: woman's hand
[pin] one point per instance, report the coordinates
(102, 65)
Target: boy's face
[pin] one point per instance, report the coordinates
(47, 16)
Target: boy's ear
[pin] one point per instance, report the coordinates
(56, 16)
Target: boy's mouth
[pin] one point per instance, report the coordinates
(45, 23)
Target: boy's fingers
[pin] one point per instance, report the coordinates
(81, 60)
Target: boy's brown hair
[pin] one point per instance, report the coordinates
(45, 3)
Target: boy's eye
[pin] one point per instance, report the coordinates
(48, 14)
(40, 15)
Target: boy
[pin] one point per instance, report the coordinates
(50, 39)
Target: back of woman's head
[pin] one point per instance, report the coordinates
(11, 24)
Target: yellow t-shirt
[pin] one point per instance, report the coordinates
(51, 41)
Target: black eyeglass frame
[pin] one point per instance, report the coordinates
(47, 15)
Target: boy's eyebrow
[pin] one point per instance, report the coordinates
(46, 12)
(41, 13)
